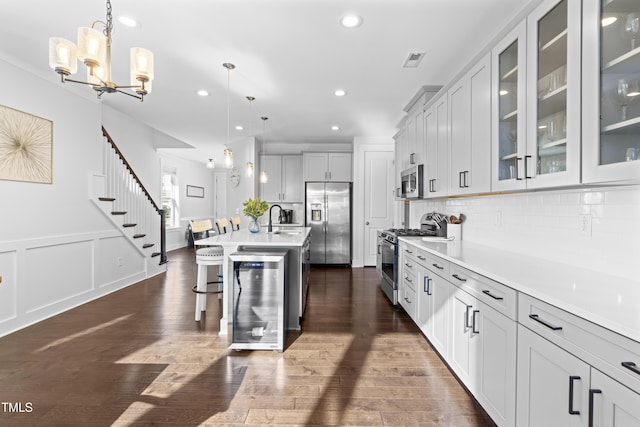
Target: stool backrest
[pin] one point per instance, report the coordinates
(235, 223)
(202, 227)
(222, 225)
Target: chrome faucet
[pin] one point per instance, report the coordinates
(270, 226)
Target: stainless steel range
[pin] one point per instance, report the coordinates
(431, 224)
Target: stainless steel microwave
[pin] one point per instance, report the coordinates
(412, 182)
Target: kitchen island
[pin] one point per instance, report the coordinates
(293, 239)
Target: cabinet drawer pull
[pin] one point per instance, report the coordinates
(408, 280)
(592, 392)
(459, 278)
(473, 321)
(421, 257)
(488, 292)
(572, 379)
(439, 267)
(406, 264)
(545, 323)
(408, 251)
(426, 285)
(632, 367)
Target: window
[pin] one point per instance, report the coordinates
(170, 198)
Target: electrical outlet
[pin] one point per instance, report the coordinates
(498, 220)
(585, 225)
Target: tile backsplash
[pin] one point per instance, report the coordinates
(594, 228)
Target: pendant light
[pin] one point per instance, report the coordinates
(263, 174)
(210, 164)
(228, 154)
(250, 164)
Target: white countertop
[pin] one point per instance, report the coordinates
(609, 301)
(245, 237)
(296, 224)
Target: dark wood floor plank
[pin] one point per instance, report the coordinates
(136, 357)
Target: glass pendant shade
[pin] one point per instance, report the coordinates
(63, 56)
(95, 75)
(249, 169)
(210, 164)
(228, 158)
(263, 177)
(141, 65)
(92, 46)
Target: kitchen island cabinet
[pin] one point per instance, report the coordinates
(294, 240)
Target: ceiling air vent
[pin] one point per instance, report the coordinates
(413, 60)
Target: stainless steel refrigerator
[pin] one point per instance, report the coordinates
(328, 213)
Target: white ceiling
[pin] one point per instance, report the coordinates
(289, 54)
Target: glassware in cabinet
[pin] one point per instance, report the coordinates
(612, 116)
(553, 154)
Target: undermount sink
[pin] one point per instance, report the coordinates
(289, 233)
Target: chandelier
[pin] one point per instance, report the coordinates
(94, 50)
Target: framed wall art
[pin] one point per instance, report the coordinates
(26, 147)
(193, 191)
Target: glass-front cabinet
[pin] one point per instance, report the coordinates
(509, 110)
(553, 91)
(611, 90)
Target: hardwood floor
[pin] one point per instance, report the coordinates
(137, 357)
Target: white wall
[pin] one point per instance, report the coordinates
(547, 224)
(57, 249)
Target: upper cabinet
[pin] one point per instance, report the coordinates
(436, 164)
(327, 167)
(284, 182)
(470, 131)
(509, 104)
(611, 90)
(552, 157)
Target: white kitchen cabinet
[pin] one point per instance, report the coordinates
(611, 404)
(327, 167)
(433, 293)
(284, 182)
(436, 164)
(399, 150)
(610, 91)
(470, 131)
(553, 385)
(509, 106)
(553, 95)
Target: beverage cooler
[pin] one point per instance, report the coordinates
(258, 306)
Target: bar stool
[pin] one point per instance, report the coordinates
(235, 223)
(205, 257)
(222, 224)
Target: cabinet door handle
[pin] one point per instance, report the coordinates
(459, 278)
(572, 379)
(466, 317)
(488, 292)
(518, 160)
(465, 174)
(544, 322)
(379, 249)
(460, 179)
(426, 285)
(473, 321)
(526, 167)
(439, 267)
(632, 367)
(592, 392)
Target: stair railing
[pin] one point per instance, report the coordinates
(131, 199)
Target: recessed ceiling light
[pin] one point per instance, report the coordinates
(128, 22)
(340, 92)
(202, 92)
(335, 128)
(239, 127)
(608, 20)
(351, 21)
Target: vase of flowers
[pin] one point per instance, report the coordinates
(254, 208)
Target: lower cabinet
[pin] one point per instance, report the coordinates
(553, 385)
(433, 294)
(612, 404)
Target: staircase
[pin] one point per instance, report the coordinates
(129, 205)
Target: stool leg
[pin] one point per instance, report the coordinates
(201, 299)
